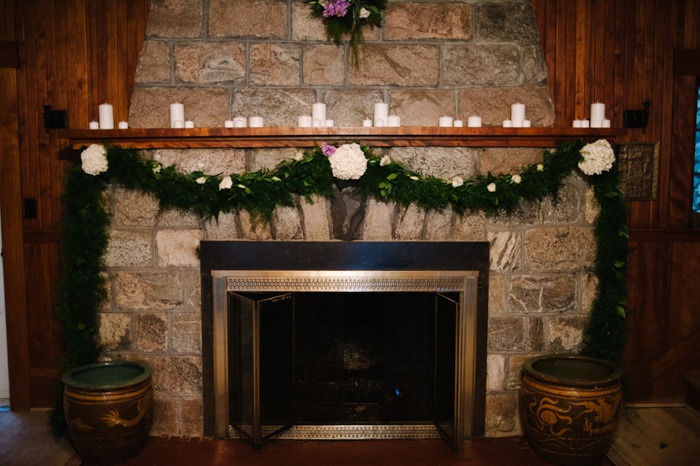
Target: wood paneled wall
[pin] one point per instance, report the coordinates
(621, 52)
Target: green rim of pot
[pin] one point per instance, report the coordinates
(138, 373)
(615, 372)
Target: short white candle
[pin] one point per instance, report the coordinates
(94, 125)
(318, 113)
(474, 121)
(189, 124)
(517, 114)
(329, 123)
(123, 125)
(381, 114)
(527, 123)
(458, 124)
(445, 121)
(228, 124)
(319, 123)
(106, 116)
(304, 121)
(394, 121)
(177, 113)
(507, 124)
(255, 122)
(597, 115)
(585, 124)
(367, 123)
(240, 122)
(606, 124)
(577, 124)
(179, 124)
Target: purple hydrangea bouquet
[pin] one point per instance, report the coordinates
(348, 17)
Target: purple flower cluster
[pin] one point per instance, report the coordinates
(327, 149)
(336, 8)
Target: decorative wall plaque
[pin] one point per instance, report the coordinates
(639, 169)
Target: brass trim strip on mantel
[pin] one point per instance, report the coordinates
(144, 138)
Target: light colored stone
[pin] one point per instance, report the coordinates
(515, 369)
(470, 227)
(421, 107)
(154, 63)
(438, 225)
(177, 248)
(508, 159)
(132, 207)
(151, 332)
(222, 228)
(316, 224)
(248, 18)
(192, 415)
(496, 293)
(115, 331)
(187, 333)
(566, 333)
(208, 161)
(492, 104)
(592, 206)
(177, 374)
(210, 62)
(147, 290)
(502, 415)
(428, 21)
(566, 208)
(507, 22)
(506, 334)
(165, 415)
(526, 213)
(506, 250)
(129, 249)
(268, 159)
(378, 220)
(278, 107)
(495, 372)
(149, 108)
(107, 303)
(350, 107)
(410, 223)
(400, 65)
(537, 294)
(275, 64)
(533, 65)
(286, 224)
(252, 228)
(440, 162)
(324, 64)
(192, 288)
(560, 249)
(304, 26)
(177, 218)
(481, 65)
(174, 18)
(590, 291)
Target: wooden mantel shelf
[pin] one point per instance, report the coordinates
(307, 137)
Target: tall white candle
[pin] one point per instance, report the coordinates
(239, 122)
(94, 125)
(177, 113)
(123, 125)
(318, 113)
(517, 114)
(394, 121)
(304, 121)
(106, 116)
(597, 115)
(255, 122)
(381, 114)
(445, 121)
(474, 121)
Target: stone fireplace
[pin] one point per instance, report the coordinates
(224, 58)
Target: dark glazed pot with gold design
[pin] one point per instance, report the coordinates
(570, 406)
(108, 410)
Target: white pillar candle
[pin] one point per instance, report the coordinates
(381, 114)
(123, 125)
(228, 124)
(329, 123)
(94, 125)
(367, 123)
(527, 123)
(177, 113)
(458, 124)
(255, 122)
(318, 113)
(517, 114)
(474, 121)
(106, 116)
(239, 122)
(189, 124)
(577, 124)
(319, 123)
(597, 115)
(585, 124)
(394, 121)
(605, 124)
(445, 121)
(304, 121)
(507, 124)
(179, 124)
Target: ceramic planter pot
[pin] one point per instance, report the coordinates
(108, 410)
(570, 406)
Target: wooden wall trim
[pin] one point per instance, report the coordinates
(9, 57)
(686, 62)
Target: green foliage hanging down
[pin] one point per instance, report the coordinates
(85, 222)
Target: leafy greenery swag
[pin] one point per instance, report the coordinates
(86, 219)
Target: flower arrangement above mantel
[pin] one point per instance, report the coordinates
(348, 18)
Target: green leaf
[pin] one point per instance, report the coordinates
(383, 192)
(81, 326)
(621, 312)
(248, 191)
(619, 264)
(392, 176)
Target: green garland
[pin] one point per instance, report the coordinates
(86, 219)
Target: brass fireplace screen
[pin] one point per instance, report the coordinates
(255, 317)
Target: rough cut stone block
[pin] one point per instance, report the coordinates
(400, 65)
(428, 21)
(175, 18)
(177, 374)
(257, 230)
(533, 65)
(178, 248)
(275, 64)
(249, 18)
(268, 159)
(115, 331)
(567, 207)
(440, 162)
(192, 288)
(515, 368)
(350, 107)
(527, 213)
(410, 224)
(148, 290)
(502, 415)
(509, 159)
(286, 224)
(304, 26)
(419, 107)
(279, 107)
(133, 208)
(481, 65)
(506, 249)
(222, 228)
(208, 161)
(347, 213)
(495, 372)
(192, 413)
(438, 225)
(470, 227)
(378, 220)
(129, 249)
(151, 332)
(537, 337)
(324, 64)
(496, 293)
(566, 333)
(537, 294)
(506, 334)
(149, 107)
(165, 415)
(177, 218)
(507, 22)
(210, 63)
(107, 304)
(316, 222)
(154, 63)
(590, 291)
(187, 333)
(560, 249)
(592, 206)
(492, 104)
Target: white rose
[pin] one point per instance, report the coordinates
(516, 179)
(156, 169)
(598, 157)
(414, 178)
(491, 187)
(348, 162)
(364, 13)
(540, 167)
(94, 159)
(226, 183)
(457, 181)
(299, 156)
(201, 180)
(384, 161)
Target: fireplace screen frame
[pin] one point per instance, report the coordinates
(464, 282)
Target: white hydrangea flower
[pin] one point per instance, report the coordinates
(201, 180)
(516, 179)
(491, 187)
(364, 13)
(226, 183)
(540, 167)
(94, 159)
(348, 162)
(598, 157)
(457, 181)
(384, 161)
